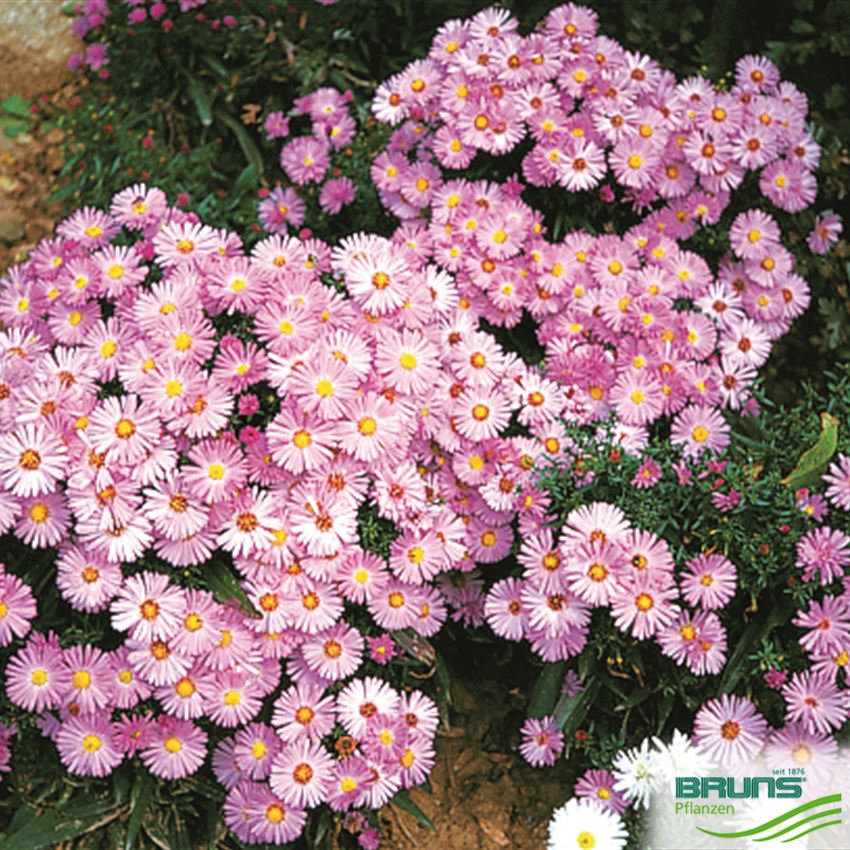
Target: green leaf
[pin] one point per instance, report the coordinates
(570, 712)
(246, 180)
(403, 801)
(547, 689)
(322, 826)
(63, 193)
(139, 798)
(814, 461)
(752, 637)
(215, 65)
(444, 693)
(13, 129)
(16, 105)
(201, 98)
(249, 149)
(59, 825)
(224, 585)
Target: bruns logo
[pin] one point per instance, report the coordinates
(738, 788)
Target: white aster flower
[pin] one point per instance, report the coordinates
(637, 774)
(585, 825)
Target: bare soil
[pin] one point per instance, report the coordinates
(35, 43)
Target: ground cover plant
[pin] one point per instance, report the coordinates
(249, 477)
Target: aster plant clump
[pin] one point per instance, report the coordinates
(259, 471)
(641, 342)
(135, 449)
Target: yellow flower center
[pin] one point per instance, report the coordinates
(125, 428)
(700, 434)
(301, 439)
(185, 688)
(39, 512)
(92, 743)
(367, 426)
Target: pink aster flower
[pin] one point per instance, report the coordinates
(255, 748)
(305, 159)
(812, 505)
(828, 625)
(270, 819)
(337, 193)
(349, 783)
(648, 475)
(36, 679)
(90, 675)
(31, 460)
(177, 749)
(598, 785)
(816, 702)
(825, 233)
(276, 125)
(699, 428)
(149, 607)
(382, 649)
(542, 741)
(133, 732)
(709, 581)
(504, 610)
(124, 427)
(302, 711)
(86, 580)
(17, 607)
(283, 208)
(825, 551)
(838, 480)
(301, 774)
(335, 653)
(217, 470)
(729, 730)
(87, 745)
(642, 607)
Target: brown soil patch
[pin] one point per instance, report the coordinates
(485, 796)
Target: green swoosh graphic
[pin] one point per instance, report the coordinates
(829, 798)
(806, 832)
(799, 823)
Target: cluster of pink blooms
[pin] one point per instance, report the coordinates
(92, 14)
(118, 400)
(274, 774)
(635, 323)
(591, 107)
(306, 159)
(601, 560)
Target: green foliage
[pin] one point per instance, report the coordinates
(640, 691)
